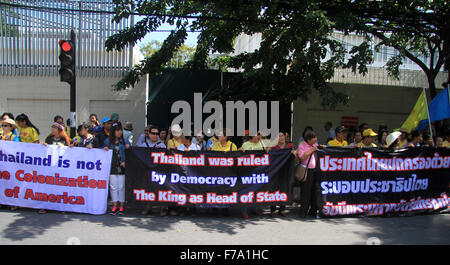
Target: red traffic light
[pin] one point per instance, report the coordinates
(65, 45)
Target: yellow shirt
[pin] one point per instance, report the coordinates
(172, 143)
(446, 144)
(403, 143)
(252, 146)
(28, 135)
(229, 146)
(335, 142)
(363, 145)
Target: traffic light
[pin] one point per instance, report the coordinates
(67, 61)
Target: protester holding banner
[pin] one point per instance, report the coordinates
(128, 132)
(446, 143)
(254, 143)
(9, 115)
(118, 144)
(175, 141)
(101, 136)
(57, 136)
(306, 152)
(164, 135)
(302, 139)
(427, 141)
(212, 141)
(28, 133)
(393, 140)
(282, 144)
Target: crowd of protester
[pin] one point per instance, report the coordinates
(109, 134)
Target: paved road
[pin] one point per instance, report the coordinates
(26, 226)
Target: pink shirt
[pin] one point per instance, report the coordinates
(303, 148)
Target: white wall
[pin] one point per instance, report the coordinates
(42, 98)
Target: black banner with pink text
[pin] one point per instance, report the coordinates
(354, 181)
(208, 178)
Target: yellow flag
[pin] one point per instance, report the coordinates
(418, 113)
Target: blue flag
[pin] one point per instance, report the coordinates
(439, 109)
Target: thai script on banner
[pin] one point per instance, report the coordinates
(369, 163)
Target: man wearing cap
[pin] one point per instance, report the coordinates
(341, 135)
(369, 138)
(103, 135)
(8, 126)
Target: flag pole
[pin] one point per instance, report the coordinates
(428, 112)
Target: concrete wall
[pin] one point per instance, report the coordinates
(42, 98)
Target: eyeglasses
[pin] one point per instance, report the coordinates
(6, 125)
(154, 133)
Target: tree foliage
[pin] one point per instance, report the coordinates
(418, 29)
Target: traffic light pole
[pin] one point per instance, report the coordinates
(73, 89)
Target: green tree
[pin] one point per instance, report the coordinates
(419, 30)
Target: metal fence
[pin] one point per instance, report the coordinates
(30, 31)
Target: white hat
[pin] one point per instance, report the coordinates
(176, 130)
(10, 122)
(392, 137)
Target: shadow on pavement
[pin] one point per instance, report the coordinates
(385, 230)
